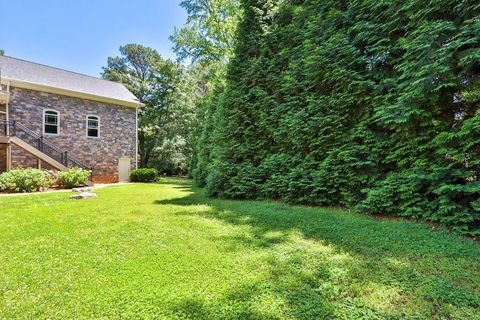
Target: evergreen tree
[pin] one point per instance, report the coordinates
(366, 104)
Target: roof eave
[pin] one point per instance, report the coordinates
(82, 95)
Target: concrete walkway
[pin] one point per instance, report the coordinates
(96, 186)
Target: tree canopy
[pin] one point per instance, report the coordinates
(206, 42)
(209, 34)
(163, 121)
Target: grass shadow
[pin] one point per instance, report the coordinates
(312, 252)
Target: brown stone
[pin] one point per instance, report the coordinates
(3, 158)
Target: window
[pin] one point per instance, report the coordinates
(51, 122)
(93, 126)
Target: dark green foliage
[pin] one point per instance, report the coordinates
(144, 175)
(365, 104)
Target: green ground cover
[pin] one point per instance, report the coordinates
(164, 251)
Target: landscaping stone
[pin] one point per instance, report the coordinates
(80, 190)
(84, 195)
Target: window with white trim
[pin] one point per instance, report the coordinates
(93, 126)
(51, 122)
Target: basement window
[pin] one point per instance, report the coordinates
(51, 122)
(93, 126)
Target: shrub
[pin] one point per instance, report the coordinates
(73, 177)
(144, 175)
(24, 180)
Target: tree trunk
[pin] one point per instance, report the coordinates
(142, 149)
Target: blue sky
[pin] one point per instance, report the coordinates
(79, 35)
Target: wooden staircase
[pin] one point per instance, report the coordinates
(15, 133)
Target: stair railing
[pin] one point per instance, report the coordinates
(16, 129)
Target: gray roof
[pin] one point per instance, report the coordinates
(29, 72)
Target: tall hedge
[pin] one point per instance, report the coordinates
(360, 103)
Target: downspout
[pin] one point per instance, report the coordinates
(6, 106)
(7, 116)
(136, 137)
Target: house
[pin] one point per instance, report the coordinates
(56, 119)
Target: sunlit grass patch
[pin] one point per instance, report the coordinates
(164, 251)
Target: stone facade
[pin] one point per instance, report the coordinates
(3, 147)
(3, 157)
(117, 130)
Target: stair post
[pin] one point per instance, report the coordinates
(14, 128)
(40, 144)
(66, 159)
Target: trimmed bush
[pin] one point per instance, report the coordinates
(73, 177)
(144, 175)
(24, 180)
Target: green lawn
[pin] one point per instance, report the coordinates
(163, 251)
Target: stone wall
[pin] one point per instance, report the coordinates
(3, 147)
(117, 130)
(3, 157)
(22, 159)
